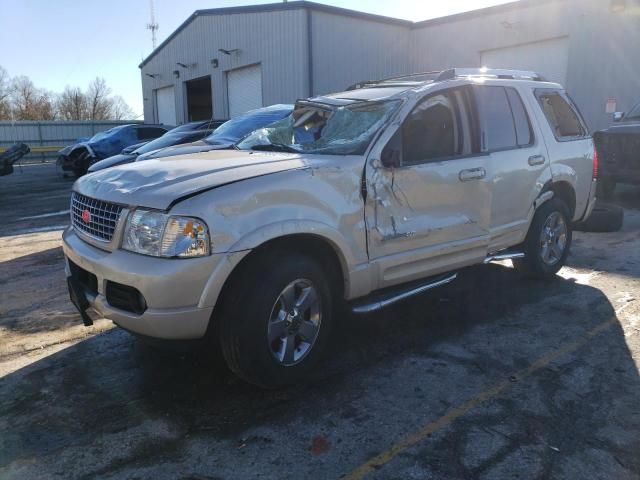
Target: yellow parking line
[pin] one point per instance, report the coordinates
(379, 460)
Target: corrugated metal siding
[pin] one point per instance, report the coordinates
(347, 50)
(604, 58)
(50, 133)
(275, 40)
(458, 43)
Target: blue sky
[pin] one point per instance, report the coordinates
(70, 42)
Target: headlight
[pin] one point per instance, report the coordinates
(162, 235)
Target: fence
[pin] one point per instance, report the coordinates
(47, 137)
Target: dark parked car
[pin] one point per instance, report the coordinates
(62, 155)
(108, 143)
(189, 132)
(10, 156)
(619, 152)
(228, 134)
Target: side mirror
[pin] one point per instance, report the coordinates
(618, 116)
(390, 157)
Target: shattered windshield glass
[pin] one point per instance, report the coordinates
(328, 130)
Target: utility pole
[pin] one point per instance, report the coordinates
(153, 26)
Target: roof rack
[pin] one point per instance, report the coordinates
(489, 72)
(412, 77)
(450, 74)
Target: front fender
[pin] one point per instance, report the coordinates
(273, 231)
(324, 202)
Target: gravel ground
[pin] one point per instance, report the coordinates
(493, 376)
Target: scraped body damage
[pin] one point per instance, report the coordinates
(321, 199)
(424, 221)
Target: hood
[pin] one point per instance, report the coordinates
(160, 183)
(184, 149)
(119, 159)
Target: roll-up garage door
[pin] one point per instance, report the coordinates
(549, 58)
(166, 105)
(244, 87)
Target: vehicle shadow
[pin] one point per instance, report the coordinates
(110, 386)
(627, 196)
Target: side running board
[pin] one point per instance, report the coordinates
(505, 255)
(386, 297)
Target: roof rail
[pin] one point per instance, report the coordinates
(451, 74)
(489, 72)
(427, 76)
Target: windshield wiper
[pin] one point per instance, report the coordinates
(275, 147)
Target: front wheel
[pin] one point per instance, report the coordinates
(275, 319)
(548, 241)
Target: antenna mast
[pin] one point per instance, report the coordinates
(153, 26)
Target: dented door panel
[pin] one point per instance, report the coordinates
(424, 219)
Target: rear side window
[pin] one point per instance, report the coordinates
(506, 123)
(499, 129)
(524, 136)
(561, 115)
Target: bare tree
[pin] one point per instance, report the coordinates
(98, 100)
(120, 110)
(45, 106)
(20, 99)
(72, 104)
(5, 101)
(25, 99)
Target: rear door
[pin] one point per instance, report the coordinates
(518, 158)
(431, 213)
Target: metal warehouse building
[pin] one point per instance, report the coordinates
(222, 62)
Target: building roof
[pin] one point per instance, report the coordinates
(345, 12)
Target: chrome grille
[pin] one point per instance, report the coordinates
(103, 216)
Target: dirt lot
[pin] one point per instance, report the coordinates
(493, 376)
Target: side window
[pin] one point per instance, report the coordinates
(436, 129)
(499, 128)
(147, 133)
(524, 136)
(563, 119)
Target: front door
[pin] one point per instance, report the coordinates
(431, 212)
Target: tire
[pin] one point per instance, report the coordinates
(605, 187)
(605, 217)
(546, 253)
(261, 343)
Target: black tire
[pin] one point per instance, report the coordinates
(533, 264)
(605, 217)
(246, 311)
(605, 187)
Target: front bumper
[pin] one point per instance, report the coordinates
(179, 294)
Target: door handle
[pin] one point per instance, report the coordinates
(472, 174)
(536, 160)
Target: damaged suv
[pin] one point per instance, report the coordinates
(363, 197)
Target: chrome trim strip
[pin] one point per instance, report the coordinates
(380, 304)
(503, 256)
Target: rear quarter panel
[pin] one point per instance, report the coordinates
(571, 161)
